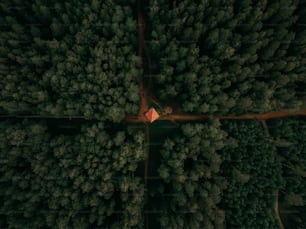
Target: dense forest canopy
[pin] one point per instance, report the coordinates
(69, 58)
(253, 172)
(106, 60)
(289, 137)
(189, 189)
(210, 175)
(229, 57)
(81, 181)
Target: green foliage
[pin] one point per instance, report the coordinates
(84, 180)
(253, 173)
(229, 57)
(188, 190)
(217, 57)
(294, 200)
(293, 158)
(72, 58)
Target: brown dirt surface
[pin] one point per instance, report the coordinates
(189, 117)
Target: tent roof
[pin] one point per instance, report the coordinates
(152, 115)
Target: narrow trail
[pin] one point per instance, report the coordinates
(144, 106)
(141, 45)
(276, 211)
(44, 117)
(188, 117)
(146, 168)
(276, 192)
(149, 60)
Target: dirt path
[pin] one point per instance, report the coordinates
(144, 106)
(147, 156)
(44, 117)
(141, 45)
(149, 61)
(146, 168)
(187, 117)
(276, 192)
(276, 210)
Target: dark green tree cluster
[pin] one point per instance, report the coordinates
(289, 137)
(229, 57)
(86, 180)
(188, 189)
(69, 58)
(253, 172)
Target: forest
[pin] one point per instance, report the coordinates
(229, 57)
(226, 78)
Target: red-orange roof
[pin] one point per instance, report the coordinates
(152, 115)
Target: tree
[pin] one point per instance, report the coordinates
(62, 52)
(241, 44)
(188, 187)
(291, 132)
(253, 172)
(54, 180)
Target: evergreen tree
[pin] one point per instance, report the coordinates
(72, 58)
(83, 180)
(242, 51)
(253, 172)
(188, 189)
(292, 196)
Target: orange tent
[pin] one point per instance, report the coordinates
(152, 115)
